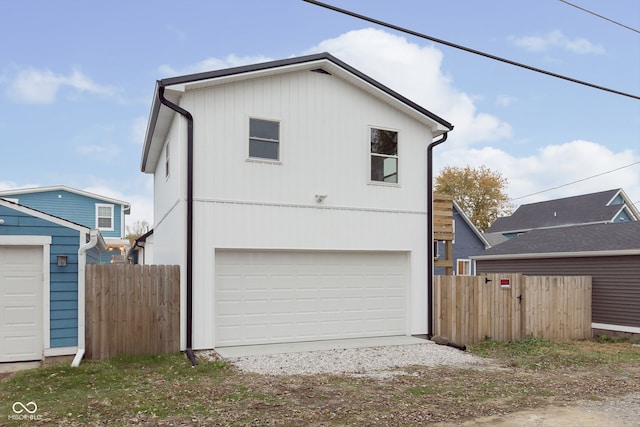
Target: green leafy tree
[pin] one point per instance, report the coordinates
(480, 193)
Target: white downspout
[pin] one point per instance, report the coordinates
(82, 268)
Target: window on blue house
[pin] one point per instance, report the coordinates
(104, 217)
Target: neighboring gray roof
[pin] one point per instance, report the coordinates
(495, 238)
(159, 121)
(583, 209)
(609, 237)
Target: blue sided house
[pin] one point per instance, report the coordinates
(42, 273)
(84, 208)
(468, 241)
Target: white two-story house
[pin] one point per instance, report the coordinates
(293, 194)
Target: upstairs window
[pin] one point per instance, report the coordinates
(384, 155)
(104, 217)
(264, 139)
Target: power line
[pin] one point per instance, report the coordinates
(600, 16)
(574, 182)
(467, 49)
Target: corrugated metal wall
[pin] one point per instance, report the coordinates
(616, 281)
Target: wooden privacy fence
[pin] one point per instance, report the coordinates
(508, 307)
(132, 309)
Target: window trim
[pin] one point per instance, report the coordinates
(370, 154)
(251, 158)
(113, 219)
(464, 261)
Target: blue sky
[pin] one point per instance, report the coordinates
(77, 80)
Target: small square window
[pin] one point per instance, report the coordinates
(384, 155)
(264, 139)
(463, 267)
(104, 217)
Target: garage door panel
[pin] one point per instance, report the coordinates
(21, 280)
(277, 296)
(21, 317)
(18, 348)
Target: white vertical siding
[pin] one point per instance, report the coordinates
(324, 149)
(255, 226)
(324, 143)
(169, 235)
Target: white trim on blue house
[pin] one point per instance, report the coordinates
(45, 243)
(112, 216)
(42, 215)
(96, 240)
(126, 206)
(470, 224)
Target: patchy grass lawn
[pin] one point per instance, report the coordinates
(166, 390)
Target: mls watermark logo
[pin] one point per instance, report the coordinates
(25, 411)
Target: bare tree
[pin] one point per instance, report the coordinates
(136, 230)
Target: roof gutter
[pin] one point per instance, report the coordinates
(189, 273)
(430, 148)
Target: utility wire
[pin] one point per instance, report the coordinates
(574, 182)
(467, 49)
(600, 16)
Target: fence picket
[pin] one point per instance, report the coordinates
(468, 308)
(132, 309)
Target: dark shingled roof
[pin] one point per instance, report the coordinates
(579, 238)
(583, 209)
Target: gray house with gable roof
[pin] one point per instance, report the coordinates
(594, 208)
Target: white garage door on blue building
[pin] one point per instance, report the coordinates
(41, 304)
(21, 280)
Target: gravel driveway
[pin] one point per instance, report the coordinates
(386, 362)
(377, 362)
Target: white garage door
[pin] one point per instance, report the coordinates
(286, 296)
(21, 284)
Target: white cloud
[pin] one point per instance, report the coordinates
(140, 198)
(7, 185)
(10, 185)
(415, 72)
(553, 166)
(32, 86)
(505, 100)
(211, 64)
(556, 39)
(101, 152)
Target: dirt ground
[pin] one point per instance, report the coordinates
(559, 389)
(552, 416)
